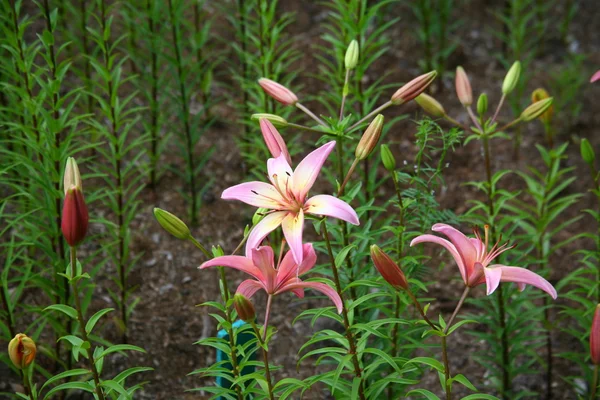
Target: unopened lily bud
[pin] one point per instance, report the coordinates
(595, 337)
(595, 77)
(274, 141)
(351, 58)
(172, 224)
(536, 109)
(587, 151)
(463, 87)
(21, 350)
(430, 105)
(539, 95)
(387, 158)
(244, 308)
(75, 219)
(369, 139)
(482, 104)
(278, 92)
(389, 270)
(413, 88)
(512, 78)
(259, 215)
(276, 120)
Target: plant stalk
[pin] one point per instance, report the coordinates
(265, 357)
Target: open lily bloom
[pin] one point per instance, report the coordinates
(275, 281)
(286, 196)
(473, 260)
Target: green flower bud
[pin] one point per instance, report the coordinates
(536, 109)
(370, 138)
(482, 104)
(430, 105)
(276, 120)
(587, 151)
(512, 78)
(244, 308)
(387, 158)
(172, 224)
(351, 58)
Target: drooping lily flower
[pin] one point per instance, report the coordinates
(273, 280)
(473, 260)
(286, 197)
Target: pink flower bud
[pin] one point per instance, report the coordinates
(389, 270)
(75, 214)
(595, 337)
(595, 77)
(21, 350)
(413, 88)
(463, 87)
(273, 139)
(278, 92)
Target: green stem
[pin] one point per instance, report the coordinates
(306, 128)
(447, 386)
(457, 309)
(594, 383)
(265, 352)
(344, 94)
(400, 215)
(421, 311)
(348, 175)
(376, 111)
(26, 386)
(311, 114)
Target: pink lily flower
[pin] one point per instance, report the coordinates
(286, 197)
(273, 280)
(473, 259)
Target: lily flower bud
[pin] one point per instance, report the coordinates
(413, 88)
(536, 109)
(595, 77)
(482, 104)
(278, 92)
(430, 105)
(274, 141)
(587, 151)
(387, 158)
(351, 58)
(21, 350)
(539, 95)
(595, 337)
(512, 78)
(369, 139)
(276, 120)
(463, 87)
(172, 224)
(75, 219)
(389, 270)
(244, 308)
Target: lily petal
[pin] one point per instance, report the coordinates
(524, 276)
(307, 171)
(262, 229)
(449, 246)
(248, 287)
(292, 226)
(279, 171)
(492, 279)
(257, 194)
(462, 243)
(240, 263)
(324, 204)
(321, 287)
(290, 269)
(263, 260)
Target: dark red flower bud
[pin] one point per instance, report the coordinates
(390, 271)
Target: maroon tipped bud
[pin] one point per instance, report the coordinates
(278, 92)
(75, 214)
(274, 141)
(413, 88)
(463, 87)
(389, 270)
(595, 337)
(244, 308)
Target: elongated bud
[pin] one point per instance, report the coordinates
(21, 350)
(595, 77)
(259, 215)
(172, 224)
(536, 109)
(595, 337)
(72, 178)
(587, 151)
(482, 104)
(274, 141)
(463, 87)
(75, 218)
(369, 139)
(512, 78)
(539, 95)
(351, 58)
(389, 270)
(276, 120)
(430, 105)
(244, 308)
(413, 88)
(278, 92)
(387, 158)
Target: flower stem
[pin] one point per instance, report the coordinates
(201, 247)
(420, 309)
(265, 352)
(500, 103)
(369, 115)
(26, 387)
(347, 178)
(447, 387)
(400, 215)
(305, 128)
(310, 114)
(594, 383)
(338, 288)
(457, 309)
(82, 323)
(267, 315)
(344, 94)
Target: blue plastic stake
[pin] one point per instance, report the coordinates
(241, 339)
